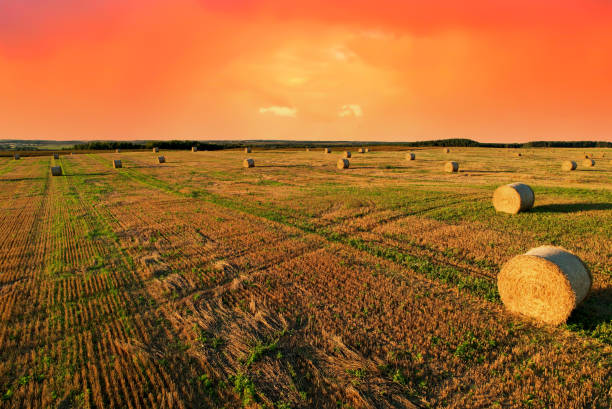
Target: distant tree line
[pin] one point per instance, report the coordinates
(170, 145)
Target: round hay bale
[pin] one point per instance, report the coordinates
(307, 149)
(513, 198)
(161, 159)
(366, 150)
(194, 149)
(569, 165)
(327, 150)
(451, 167)
(248, 163)
(155, 150)
(589, 163)
(347, 154)
(446, 150)
(56, 171)
(343, 164)
(56, 156)
(361, 150)
(586, 156)
(117, 150)
(518, 154)
(410, 156)
(16, 157)
(247, 150)
(546, 283)
(117, 164)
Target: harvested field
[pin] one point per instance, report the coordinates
(293, 284)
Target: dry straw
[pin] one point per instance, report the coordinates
(451, 167)
(247, 150)
(56, 171)
(589, 163)
(410, 156)
(513, 198)
(343, 164)
(56, 156)
(117, 164)
(155, 150)
(161, 159)
(347, 154)
(248, 163)
(546, 283)
(194, 149)
(569, 165)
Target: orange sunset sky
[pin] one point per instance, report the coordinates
(504, 71)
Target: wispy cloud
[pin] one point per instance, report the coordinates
(279, 111)
(353, 110)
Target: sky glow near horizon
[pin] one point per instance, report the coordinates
(389, 70)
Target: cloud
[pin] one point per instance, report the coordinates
(353, 110)
(279, 111)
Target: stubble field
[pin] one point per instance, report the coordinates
(293, 284)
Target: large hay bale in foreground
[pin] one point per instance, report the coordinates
(327, 150)
(248, 163)
(513, 198)
(451, 167)
(56, 171)
(546, 283)
(410, 156)
(117, 164)
(194, 149)
(161, 159)
(56, 156)
(155, 150)
(569, 165)
(347, 154)
(589, 163)
(247, 150)
(343, 164)
(16, 157)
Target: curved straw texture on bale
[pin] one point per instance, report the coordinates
(194, 149)
(247, 150)
(248, 163)
(546, 283)
(347, 154)
(56, 171)
(343, 163)
(56, 156)
(161, 159)
(410, 156)
(446, 150)
(155, 150)
(117, 164)
(569, 165)
(451, 167)
(327, 150)
(513, 198)
(15, 157)
(588, 163)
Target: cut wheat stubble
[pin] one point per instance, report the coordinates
(547, 283)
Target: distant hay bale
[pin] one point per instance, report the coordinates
(194, 149)
(451, 167)
(586, 156)
(446, 150)
(161, 159)
(361, 150)
(155, 150)
(513, 198)
(307, 149)
(518, 154)
(366, 150)
(16, 157)
(327, 150)
(568, 165)
(247, 150)
(343, 164)
(56, 171)
(410, 156)
(56, 156)
(248, 163)
(347, 154)
(546, 283)
(117, 150)
(117, 164)
(589, 163)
